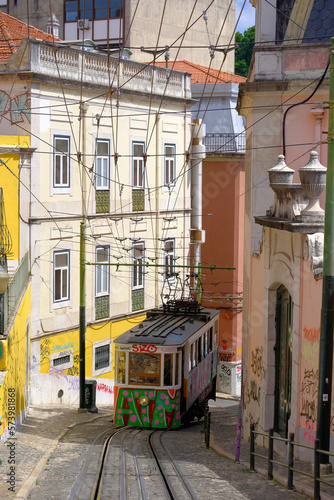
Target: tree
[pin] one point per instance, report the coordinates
(243, 54)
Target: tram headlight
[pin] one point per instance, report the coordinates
(143, 401)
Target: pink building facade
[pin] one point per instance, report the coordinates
(283, 237)
(223, 216)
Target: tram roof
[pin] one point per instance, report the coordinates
(168, 329)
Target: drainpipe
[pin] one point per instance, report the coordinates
(197, 155)
(157, 208)
(326, 331)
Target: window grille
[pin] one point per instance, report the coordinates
(102, 357)
(61, 361)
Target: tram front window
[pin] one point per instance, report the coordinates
(121, 368)
(144, 369)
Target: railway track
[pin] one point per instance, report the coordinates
(137, 464)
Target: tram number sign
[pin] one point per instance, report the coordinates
(144, 348)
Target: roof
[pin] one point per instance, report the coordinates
(306, 22)
(202, 74)
(13, 31)
(166, 329)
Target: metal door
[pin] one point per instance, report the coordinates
(283, 361)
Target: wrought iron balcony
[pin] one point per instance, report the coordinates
(225, 143)
(5, 238)
(11, 297)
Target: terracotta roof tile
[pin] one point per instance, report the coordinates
(199, 73)
(12, 31)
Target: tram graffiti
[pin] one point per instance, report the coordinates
(161, 408)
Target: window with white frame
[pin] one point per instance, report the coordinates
(138, 261)
(102, 170)
(101, 357)
(61, 278)
(169, 259)
(61, 161)
(102, 271)
(138, 150)
(169, 158)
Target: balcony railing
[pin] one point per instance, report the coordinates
(71, 64)
(225, 143)
(5, 238)
(9, 300)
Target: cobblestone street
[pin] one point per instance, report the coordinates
(47, 468)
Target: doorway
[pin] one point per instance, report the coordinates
(283, 361)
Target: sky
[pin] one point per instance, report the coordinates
(247, 18)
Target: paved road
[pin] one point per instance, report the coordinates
(51, 466)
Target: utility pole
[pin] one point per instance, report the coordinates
(82, 353)
(326, 331)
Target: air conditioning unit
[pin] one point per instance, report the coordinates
(83, 24)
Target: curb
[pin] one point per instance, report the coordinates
(30, 482)
(229, 397)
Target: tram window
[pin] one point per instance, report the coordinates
(121, 368)
(144, 368)
(190, 356)
(177, 369)
(200, 349)
(210, 333)
(194, 355)
(168, 369)
(205, 344)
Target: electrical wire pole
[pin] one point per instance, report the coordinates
(82, 353)
(326, 330)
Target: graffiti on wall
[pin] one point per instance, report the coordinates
(309, 381)
(73, 384)
(227, 353)
(238, 374)
(202, 376)
(225, 377)
(18, 107)
(309, 433)
(45, 349)
(309, 394)
(311, 340)
(256, 361)
(252, 393)
(67, 345)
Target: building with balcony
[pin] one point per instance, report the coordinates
(109, 142)
(132, 26)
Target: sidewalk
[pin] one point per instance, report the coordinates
(33, 444)
(223, 441)
(38, 437)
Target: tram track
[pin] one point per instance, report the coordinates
(174, 495)
(146, 468)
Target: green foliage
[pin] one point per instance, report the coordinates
(243, 54)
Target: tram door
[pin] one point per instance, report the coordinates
(283, 361)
